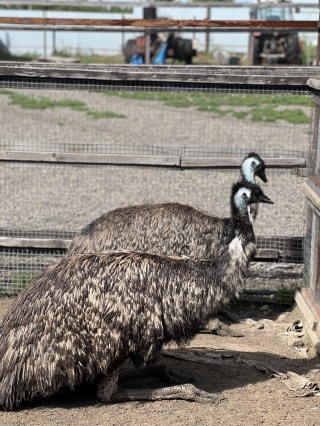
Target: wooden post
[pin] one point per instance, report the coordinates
(54, 47)
(44, 37)
(147, 51)
(207, 33)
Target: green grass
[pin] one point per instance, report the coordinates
(285, 296)
(19, 281)
(104, 114)
(41, 102)
(262, 108)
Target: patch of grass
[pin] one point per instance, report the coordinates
(284, 296)
(99, 59)
(104, 114)
(263, 107)
(295, 116)
(41, 102)
(19, 281)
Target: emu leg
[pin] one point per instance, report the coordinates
(186, 392)
(108, 391)
(107, 386)
(160, 371)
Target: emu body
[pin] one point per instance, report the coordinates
(85, 316)
(168, 228)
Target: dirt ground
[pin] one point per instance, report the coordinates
(238, 368)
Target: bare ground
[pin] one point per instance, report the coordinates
(249, 395)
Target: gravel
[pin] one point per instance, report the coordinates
(49, 196)
(65, 198)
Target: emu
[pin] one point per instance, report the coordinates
(83, 317)
(170, 229)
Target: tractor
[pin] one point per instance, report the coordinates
(269, 47)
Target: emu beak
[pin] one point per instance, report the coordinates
(264, 199)
(261, 174)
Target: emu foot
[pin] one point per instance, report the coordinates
(185, 392)
(160, 371)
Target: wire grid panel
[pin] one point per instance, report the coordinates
(146, 86)
(46, 199)
(19, 266)
(67, 197)
(126, 122)
(55, 201)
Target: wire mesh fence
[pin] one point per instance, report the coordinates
(51, 199)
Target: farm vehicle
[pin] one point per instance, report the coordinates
(269, 47)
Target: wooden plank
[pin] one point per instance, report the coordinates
(267, 254)
(154, 23)
(292, 76)
(56, 243)
(310, 309)
(311, 195)
(39, 243)
(217, 162)
(148, 160)
(74, 158)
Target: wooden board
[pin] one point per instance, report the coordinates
(236, 162)
(267, 76)
(147, 160)
(72, 158)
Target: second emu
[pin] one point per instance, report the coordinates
(170, 228)
(83, 317)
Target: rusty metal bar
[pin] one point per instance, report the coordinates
(154, 23)
(94, 28)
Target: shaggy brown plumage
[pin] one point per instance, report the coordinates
(169, 228)
(85, 316)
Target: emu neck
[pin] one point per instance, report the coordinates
(247, 174)
(241, 225)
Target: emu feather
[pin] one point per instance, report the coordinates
(83, 317)
(169, 228)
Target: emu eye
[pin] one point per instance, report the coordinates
(253, 164)
(244, 195)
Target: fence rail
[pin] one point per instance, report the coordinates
(163, 23)
(147, 160)
(268, 76)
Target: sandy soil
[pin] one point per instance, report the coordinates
(249, 396)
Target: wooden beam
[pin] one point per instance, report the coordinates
(73, 158)
(154, 23)
(63, 244)
(311, 195)
(147, 160)
(219, 162)
(38, 243)
(230, 75)
(310, 309)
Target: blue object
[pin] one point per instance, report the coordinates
(136, 59)
(160, 58)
